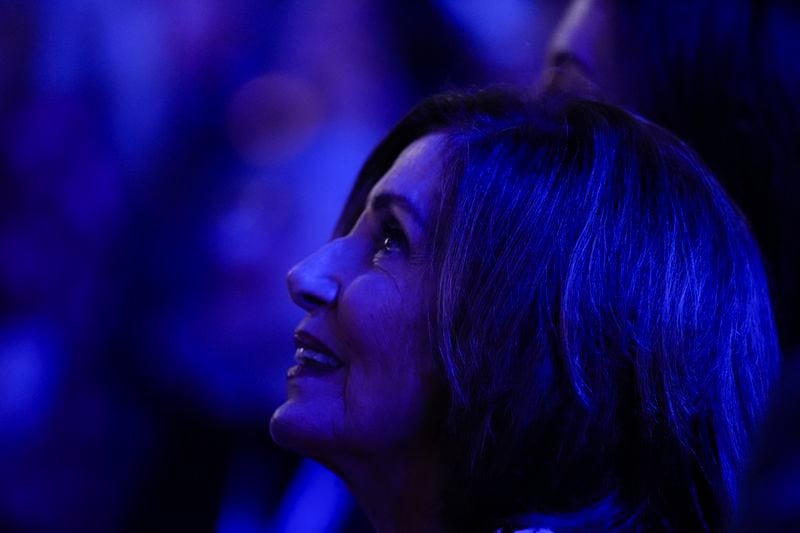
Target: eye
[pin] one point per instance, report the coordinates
(392, 238)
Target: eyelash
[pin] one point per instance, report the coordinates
(391, 232)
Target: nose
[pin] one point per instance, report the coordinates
(311, 284)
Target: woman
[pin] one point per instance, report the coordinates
(537, 313)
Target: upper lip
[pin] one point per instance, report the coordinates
(305, 339)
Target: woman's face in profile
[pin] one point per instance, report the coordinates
(363, 376)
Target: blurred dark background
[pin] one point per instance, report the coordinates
(162, 165)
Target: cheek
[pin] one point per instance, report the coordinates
(378, 312)
(389, 381)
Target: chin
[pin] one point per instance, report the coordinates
(285, 429)
(292, 428)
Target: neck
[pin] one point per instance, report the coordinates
(396, 495)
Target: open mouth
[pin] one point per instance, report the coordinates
(312, 356)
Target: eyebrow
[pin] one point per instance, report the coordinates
(385, 200)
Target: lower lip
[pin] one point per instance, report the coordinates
(299, 371)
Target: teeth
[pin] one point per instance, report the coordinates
(304, 356)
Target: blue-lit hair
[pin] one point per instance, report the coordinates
(605, 339)
(724, 76)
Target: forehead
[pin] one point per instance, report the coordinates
(416, 174)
